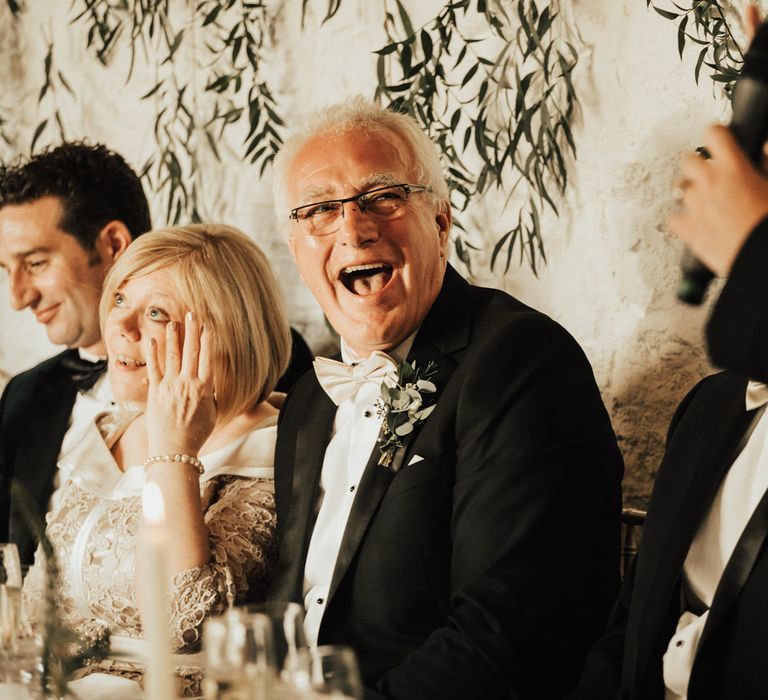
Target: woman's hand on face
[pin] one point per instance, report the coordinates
(181, 412)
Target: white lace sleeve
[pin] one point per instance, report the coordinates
(241, 524)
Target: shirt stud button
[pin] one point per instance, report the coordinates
(679, 643)
(367, 414)
(351, 489)
(320, 601)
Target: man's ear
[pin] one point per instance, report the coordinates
(443, 220)
(112, 241)
(292, 248)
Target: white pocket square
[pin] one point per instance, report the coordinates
(415, 458)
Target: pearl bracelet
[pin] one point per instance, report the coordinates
(169, 459)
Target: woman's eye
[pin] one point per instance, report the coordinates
(156, 314)
(119, 299)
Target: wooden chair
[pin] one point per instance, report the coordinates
(632, 520)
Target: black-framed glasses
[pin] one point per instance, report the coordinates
(381, 203)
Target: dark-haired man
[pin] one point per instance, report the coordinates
(66, 215)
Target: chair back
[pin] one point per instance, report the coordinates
(632, 520)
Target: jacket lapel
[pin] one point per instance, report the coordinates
(373, 485)
(445, 330)
(704, 457)
(311, 440)
(683, 508)
(739, 566)
(39, 440)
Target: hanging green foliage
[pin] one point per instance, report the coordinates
(706, 26)
(498, 100)
(498, 103)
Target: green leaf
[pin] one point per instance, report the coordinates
(38, 132)
(333, 8)
(212, 15)
(405, 19)
(64, 82)
(212, 144)
(681, 36)
(666, 13)
(699, 62)
(426, 45)
(389, 48)
(469, 75)
(152, 91)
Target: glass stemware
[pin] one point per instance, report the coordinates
(288, 638)
(10, 598)
(334, 673)
(239, 656)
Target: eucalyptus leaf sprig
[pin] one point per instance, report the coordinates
(504, 97)
(405, 401)
(707, 26)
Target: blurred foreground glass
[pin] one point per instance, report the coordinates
(334, 673)
(239, 656)
(10, 598)
(287, 625)
(19, 649)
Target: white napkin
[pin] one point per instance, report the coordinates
(98, 686)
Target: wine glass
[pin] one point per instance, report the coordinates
(10, 597)
(334, 673)
(239, 656)
(288, 638)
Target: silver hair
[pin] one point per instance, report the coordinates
(359, 113)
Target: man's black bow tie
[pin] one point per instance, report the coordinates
(84, 373)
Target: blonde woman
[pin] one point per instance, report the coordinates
(197, 339)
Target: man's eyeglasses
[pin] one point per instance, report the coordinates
(382, 203)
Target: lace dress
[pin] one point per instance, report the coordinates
(93, 526)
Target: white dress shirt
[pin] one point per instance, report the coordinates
(355, 430)
(733, 506)
(88, 404)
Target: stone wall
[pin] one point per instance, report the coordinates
(612, 271)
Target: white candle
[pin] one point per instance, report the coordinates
(152, 590)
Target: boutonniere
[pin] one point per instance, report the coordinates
(405, 401)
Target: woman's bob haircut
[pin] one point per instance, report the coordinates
(225, 279)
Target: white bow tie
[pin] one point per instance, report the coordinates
(342, 382)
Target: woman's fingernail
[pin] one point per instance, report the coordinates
(190, 315)
(173, 325)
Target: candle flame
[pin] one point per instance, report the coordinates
(152, 502)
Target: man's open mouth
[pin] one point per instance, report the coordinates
(366, 279)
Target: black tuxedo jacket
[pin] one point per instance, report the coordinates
(34, 416)
(706, 435)
(486, 569)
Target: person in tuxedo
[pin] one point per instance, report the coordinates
(66, 215)
(454, 520)
(690, 620)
